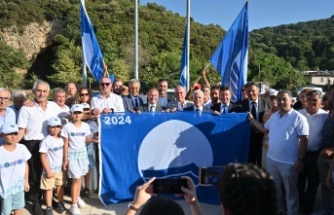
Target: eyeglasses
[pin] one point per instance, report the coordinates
(84, 94)
(105, 84)
(57, 126)
(6, 99)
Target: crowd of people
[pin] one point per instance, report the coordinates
(58, 140)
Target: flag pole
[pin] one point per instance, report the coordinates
(188, 43)
(136, 41)
(84, 68)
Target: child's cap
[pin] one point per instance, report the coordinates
(54, 121)
(9, 128)
(85, 106)
(76, 108)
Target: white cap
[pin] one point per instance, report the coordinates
(273, 92)
(76, 108)
(54, 121)
(9, 128)
(85, 105)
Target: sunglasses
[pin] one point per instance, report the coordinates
(57, 126)
(84, 94)
(77, 112)
(105, 84)
(13, 133)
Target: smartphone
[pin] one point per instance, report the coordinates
(169, 185)
(210, 175)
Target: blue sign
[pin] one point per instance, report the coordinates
(136, 147)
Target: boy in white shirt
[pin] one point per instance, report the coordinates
(13, 171)
(51, 153)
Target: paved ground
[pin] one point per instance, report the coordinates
(94, 207)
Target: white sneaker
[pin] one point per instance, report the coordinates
(81, 203)
(75, 210)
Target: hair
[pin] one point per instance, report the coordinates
(162, 206)
(246, 189)
(133, 81)
(162, 80)
(198, 91)
(285, 92)
(252, 83)
(19, 94)
(314, 93)
(66, 87)
(306, 90)
(77, 96)
(215, 88)
(2, 89)
(118, 80)
(223, 88)
(40, 82)
(58, 90)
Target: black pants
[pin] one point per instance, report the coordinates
(35, 170)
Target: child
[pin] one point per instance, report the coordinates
(13, 171)
(51, 153)
(75, 134)
(91, 151)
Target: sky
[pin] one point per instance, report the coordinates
(262, 13)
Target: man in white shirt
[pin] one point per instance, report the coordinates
(33, 129)
(180, 101)
(106, 101)
(316, 118)
(288, 136)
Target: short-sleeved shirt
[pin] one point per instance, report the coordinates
(53, 148)
(10, 117)
(12, 170)
(93, 127)
(316, 123)
(284, 135)
(112, 101)
(35, 120)
(76, 135)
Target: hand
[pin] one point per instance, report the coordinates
(28, 103)
(143, 193)
(95, 111)
(95, 140)
(190, 192)
(26, 186)
(65, 164)
(105, 68)
(327, 153)
(299, 166)
(107, 110)
(216, 112)
(203, 72)
(49, 174)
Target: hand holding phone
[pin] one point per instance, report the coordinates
(169, 185)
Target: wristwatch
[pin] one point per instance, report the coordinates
(130, 206)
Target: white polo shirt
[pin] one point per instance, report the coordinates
(35, 120)
(112, 101)
(316, 123)
(284, 135)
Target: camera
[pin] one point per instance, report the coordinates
(169, 185)
(209, 176)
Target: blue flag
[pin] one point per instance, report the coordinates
(184, 77)
(136, 147)
(90, 46)
(231, 56)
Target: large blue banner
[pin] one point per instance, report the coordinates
(136, 147)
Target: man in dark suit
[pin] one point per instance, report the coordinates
(256, 106)
(198, 100)
(134, 99)
(225, 104)
(152, 104)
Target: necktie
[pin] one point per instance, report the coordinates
(253, 111)
(225, 109)
(152, 108)
(136, 102)
(197, 109)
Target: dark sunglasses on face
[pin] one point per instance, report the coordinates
(84, 94)
(105, 84)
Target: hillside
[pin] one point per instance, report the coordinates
(43, 37)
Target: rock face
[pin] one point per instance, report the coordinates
(34, 39)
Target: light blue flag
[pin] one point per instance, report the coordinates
(90, 46)
(184, 77)
(167, 145)
(231, 56)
